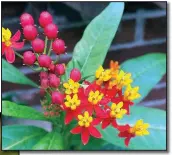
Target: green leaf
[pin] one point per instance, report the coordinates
(19, 137)
(147, 71)
(51, 141)
(12, 74)
(156, 140)
(90, 51)
(15, 110)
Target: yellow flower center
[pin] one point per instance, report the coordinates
(140, 128)
(8, 43)
(6, 36)
(95, 97)
(73, 102)
(122, 79)
(85, 120)
(117, 111)
(102, 75)
(131, 93)
(71, 87)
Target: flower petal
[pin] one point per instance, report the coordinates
(16, 36)
(94, 132)
(69, 117)
(114, 124)
(3, 48)
(105, 123)
(124, 134)
(18, 45)
(127, 140)
(10, 55)
(85, 136)
(76, 130)
(96, 121)
(123, 128)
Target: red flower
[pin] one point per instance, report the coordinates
(124, 133)
(73, 105)
(8, 43)
(85, 128)
(128, 132)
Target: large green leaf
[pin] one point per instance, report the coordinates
(147, 71)
(4, 152)
(156, 140)
(19, 137)
(90, 51)
(51, 141)
(15, 110)
(12, 74)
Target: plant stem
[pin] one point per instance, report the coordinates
(46, 41)
(19, 55)
(49, 51)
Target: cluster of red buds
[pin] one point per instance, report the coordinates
(100, 102)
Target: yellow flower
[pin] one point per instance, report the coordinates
(131, 93)
(122, 79)
(114, 67)
(6, 36)
(117, 111)
(73, 102)
(85, 120)
(140, 128)
(71, 87)
(95, 97)
(102, 75)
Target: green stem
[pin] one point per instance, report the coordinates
(19, 55)
(49, 51)
(46, 41)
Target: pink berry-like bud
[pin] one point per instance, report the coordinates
(51, 31)
(38, 45)
(58, 46)
(30, 32)
(26, 19)
(54, 80)
(43, 75)
(60, 69)
(29, 58)
(44, 83)
(57, 97)
(45, 18)
(51, 68)
(44, 60)
(75, 75)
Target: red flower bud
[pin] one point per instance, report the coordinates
(30, 32)
(58, 46)
(51, 31)
(44, 83)
(75, 75)
(38, 45)
(51, 68)
(43, 75)
(57, 97)
(60, 69)
(29, 58)
(45, 18)
(26, 19)
(44, 61)
(54, 80)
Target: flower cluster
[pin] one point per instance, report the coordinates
(100, 102)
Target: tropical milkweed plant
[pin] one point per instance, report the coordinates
(89, 107)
